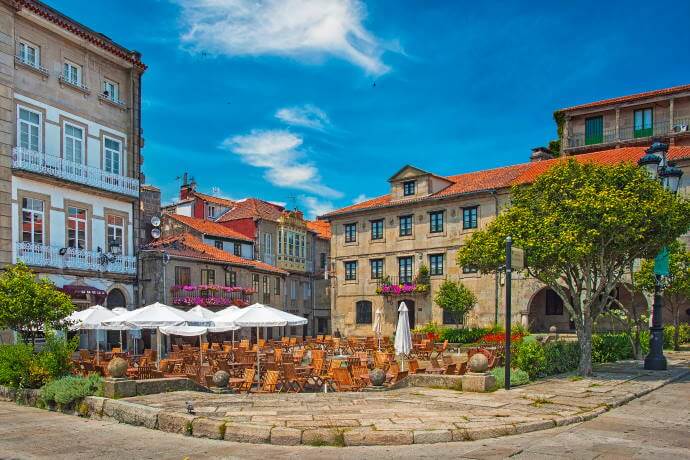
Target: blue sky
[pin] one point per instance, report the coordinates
(276, 98)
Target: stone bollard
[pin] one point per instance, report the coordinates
(477, 379)
(117, 385)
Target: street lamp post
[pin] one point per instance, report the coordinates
(656, 162)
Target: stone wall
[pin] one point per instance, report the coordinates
(7, 51)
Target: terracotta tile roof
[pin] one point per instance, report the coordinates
(631, 97)
(501, 178)
(321, 227)
(208, 227)
(213, 199)
(187, 245)
(252, 208)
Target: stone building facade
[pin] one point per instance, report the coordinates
(70, 161)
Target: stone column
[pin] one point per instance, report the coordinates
(7, 129)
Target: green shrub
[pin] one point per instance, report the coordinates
(517, 377)
(428, 327)
(608, 348)
(683, 335)
(15, 362)
(56, 355)
(561, 357)
(530, 357)
(465, 335)
(67, 390)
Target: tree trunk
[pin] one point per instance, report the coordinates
(676, 329)
(584, 338)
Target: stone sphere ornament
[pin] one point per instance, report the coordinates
(553, 329)
(220, 379)
(117, 368)
(478, 363)
(377, 377)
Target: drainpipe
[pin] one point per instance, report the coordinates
(498, 273)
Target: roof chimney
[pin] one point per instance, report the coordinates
(187, 187)
(541, 153)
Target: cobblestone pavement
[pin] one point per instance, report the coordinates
(654, 426)
(418, 415)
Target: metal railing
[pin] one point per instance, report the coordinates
(30, 160)
(41, 255)
(74, 84)
(626, 133)
(33, 65)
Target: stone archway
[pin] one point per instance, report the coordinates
(546, 309)
(115, 298)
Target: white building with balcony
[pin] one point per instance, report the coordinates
(71, 196)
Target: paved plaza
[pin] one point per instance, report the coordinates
(414, 414)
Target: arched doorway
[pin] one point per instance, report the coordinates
(411, 310)
(115, 299)
(546, 309)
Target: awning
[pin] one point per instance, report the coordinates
(79, 289)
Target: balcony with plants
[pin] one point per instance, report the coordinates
(210, 295)
(396, 286)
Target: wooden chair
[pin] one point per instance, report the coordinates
(292, 380)
(343, 380)
(84, 355)
(489, 355)
(440, 349)
(116, 350)
(463, 368)
(361, 374)
(414, 367)
(270, 382)
(248, 380)
(451, 369)
(393, 370)
(447, 360)
(146, 371)
(398, 376)
(363, 358)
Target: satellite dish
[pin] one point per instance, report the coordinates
(156, 233)
(156, 221)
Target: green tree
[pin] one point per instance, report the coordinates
(676, 285)
(581, 225)
(28, 305)
(456, 299)
(632, 318)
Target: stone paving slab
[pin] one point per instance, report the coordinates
(403, 416)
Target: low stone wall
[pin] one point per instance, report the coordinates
(449, 382)
(123, 388)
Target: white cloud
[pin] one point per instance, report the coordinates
(277, 151)
(360, 198)
(308, 116)
(314, 207)
(295, 28)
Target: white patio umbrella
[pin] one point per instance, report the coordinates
(92, 318)
(155, 316)
(259, 315)
(378, 325)
(403, 337)
(204, 313)
(223, 321)
(187, 331)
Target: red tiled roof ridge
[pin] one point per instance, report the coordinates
(81, 31)
(321, 227)
(254, 208)
(630, 97)
(213, 199)
(209, 227)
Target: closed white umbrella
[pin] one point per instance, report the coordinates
(259, 315)
(378, 325)
(403, 337)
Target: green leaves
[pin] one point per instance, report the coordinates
(455, 298)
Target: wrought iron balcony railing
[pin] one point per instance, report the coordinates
(626, 133)
(41, 255)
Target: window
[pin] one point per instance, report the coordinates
(231, 279)
(76, 227)
(409, 187)
(183, 276)
(218, 244)
(32, 220)
(377, 229)
(113, 156)
(449, 318)
(594, 130)
(350, 233)
(210, 211)
(322, 325)
(293, 290)
(350, 270)
(255, 282)
(267, 291)
(554, 303)
(116, 232)
(643, 123)
(469, 269)
(111, 90)
(208, 276)
(376, 269)
(436, 221)
(74, 144)
(268, 244)
(72, 73)
(405, 225)
(363, 312)
(323, 260)
(276, 290)
(29, 130)
(29, 54)
(306, 291)
(436, 264)
(237, 249)
(405, 269)
(469, 217)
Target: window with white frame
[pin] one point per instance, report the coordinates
(76, 227)
(29, 54)
(210, 211)
(268, 244)
(32, 220)
(293, 289)
(29, 129)
(71, 72)
(111, 90)
(113, 156)
(116, 232)
(74, 144)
